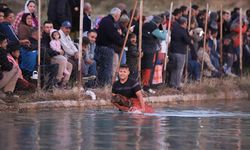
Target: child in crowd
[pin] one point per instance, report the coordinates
(132, 56)
(65, 68)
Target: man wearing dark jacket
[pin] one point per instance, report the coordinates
(8, 73)
(108, 38)
(58, 12)
(179, 41)
(151, 35)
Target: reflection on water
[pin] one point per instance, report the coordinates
(212, 126)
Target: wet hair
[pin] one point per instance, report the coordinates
(125, 66)
(85, 41)
(24, 17)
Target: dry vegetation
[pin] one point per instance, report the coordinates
(208, 86)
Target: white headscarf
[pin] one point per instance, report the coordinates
(26, 10)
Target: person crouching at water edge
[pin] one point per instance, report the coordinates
(127, 95)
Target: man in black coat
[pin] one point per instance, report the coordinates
(179, 41)
(108, 38)
(58, 12)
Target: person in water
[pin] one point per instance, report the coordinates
(126, 91)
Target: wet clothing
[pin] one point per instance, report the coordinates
(127, 89)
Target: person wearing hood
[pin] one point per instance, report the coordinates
(65, 68)
(29, 7)
(25, 26)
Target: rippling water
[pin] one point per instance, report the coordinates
(217, 125)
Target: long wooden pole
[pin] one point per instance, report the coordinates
(140, 41)
(189, 27)
(241, 42)
(204, 42)
(221, 37)
(167, 42)
(80, 46)
(39, 47)
(125, 41)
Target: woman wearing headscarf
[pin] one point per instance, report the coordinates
(30, 7)
(25, 26)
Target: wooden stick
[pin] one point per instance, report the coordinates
(140, 41)
(189, 27)
(204, 42)
(125, 41)
(167, 43)
(39, 47)
(221, 37)
(241, 42)
(80, 46)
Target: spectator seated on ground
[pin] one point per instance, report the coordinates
(65, 67)
(209, 69)
(48, 71)
(214, 48)
(89, 64)
(7, 29)
(30, 8)
(8, 72)
(28, 58)
(71, 51)
(13, 57)
(25, 27)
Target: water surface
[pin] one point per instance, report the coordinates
(215, 125)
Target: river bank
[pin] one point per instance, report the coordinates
(208, 90)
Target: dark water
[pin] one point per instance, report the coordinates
(211, 126)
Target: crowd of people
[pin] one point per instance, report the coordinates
(103, 41)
